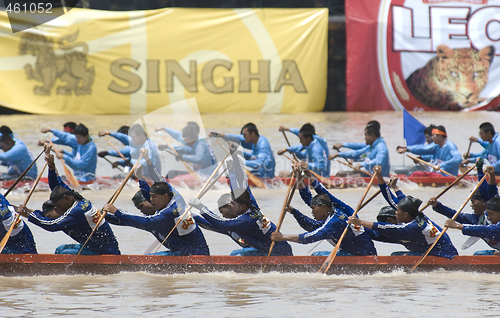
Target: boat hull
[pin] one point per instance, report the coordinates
(50, 264)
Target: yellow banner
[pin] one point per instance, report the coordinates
(230, 60)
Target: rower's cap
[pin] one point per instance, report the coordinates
(58, 193)
(477, 196)
(385, 213)
(410, 205)
(493, 204)
(241, 196)
(48, 206)
(138, 198)
(224, 199)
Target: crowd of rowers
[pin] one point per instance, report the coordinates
(239, 215)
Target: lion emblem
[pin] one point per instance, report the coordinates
(69, 67)
(453, 79)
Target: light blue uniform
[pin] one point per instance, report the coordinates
(83, 158)
(324, 144)
(200, 153)
(314, 154)
(134, 151)
(491, 152)
(125, 152)
(447, 157)
(17, 159)
(261, 160)
(374, 155)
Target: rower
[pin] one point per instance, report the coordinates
(328, 224)
(75, 216)
(375, 153)
(193, 150)
(260, 161)
(16, 157)
(68, 127)
(186, 239)
(446, 155)
(426, 158)
(478, 217)
(414, 230)
(490, 141)
(311, 150)
(83, 158)
(490, 233)
(136, 139)
(21, 239)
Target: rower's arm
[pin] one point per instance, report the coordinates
(88, 158)
(124, 139)
(66, 138)
(125, 152)
(199, 156)
(491, 231)
(354, 145)
(239, 139)
(429, 149)
(337, 204)
(306, 222)
(388, 196)
(177, 135)
(55, 180)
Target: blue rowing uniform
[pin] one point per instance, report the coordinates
(373, 155)
(447, 157)
(261, 160)
(78, 222)
(17, 159)
(322, 141)
(417, 235)
(21, 240)
(315, 156)
(491, 152)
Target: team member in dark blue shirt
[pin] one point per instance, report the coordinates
(21, 240)
(75, 216)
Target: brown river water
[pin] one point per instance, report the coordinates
(397, 294)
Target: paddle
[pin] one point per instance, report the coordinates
(111, 201)
(446, 228)
(287, 201)
(112, 164)
(200, 194)
(256, 180)
(24, 173)
(16, 219)
(175, 153)
(320, 178)
(116, 149)
(462, 167)
(329, 260)
(354, 168)
(69, 175)
(428, 164)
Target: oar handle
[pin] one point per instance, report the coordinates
(116, 149)
(24, 173)
(112, 164)
(453, 218)
(289, 145)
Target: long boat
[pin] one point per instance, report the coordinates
(51, 264)
(332, 182)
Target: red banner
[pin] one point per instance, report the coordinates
(423, 55)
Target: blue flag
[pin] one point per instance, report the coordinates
(413, 130)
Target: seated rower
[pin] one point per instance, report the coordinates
(478, 217)
(224, 204)
(83, 158)
(488, 232)
(311, 151)
(414, 230)
(489, 140)
(75, 216)
(135, 140)
(186, 239)
(260, 161)
(16, 157)
(247, 222)
(445, 154)
(193, 150)
(21, 239)
(375, 153)
(328, 224)
(322, 141)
